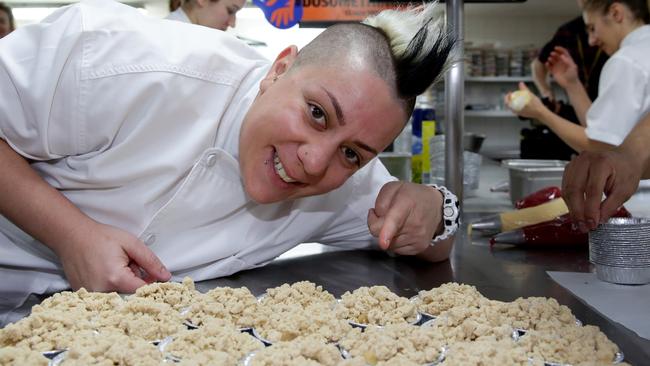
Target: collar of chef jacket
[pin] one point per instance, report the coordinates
(637, 35)
(179, 15)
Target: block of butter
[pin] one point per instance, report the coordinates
(516, 219)
(519, 99)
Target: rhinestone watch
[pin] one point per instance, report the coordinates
(450, 213)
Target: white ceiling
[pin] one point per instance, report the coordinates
(528, 8)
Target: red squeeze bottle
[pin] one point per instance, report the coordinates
(559, 231)
(537, 198)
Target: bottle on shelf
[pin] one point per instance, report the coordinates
(423, 127)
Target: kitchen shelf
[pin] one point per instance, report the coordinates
(394, 155)
(499, 79)
(498, 113)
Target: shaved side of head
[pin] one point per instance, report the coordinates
(408, 49)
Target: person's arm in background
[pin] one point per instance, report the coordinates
(95, 256)
(540, 78)
(565, 73)
(616, 173)
(571, 133)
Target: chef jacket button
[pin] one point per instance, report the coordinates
(150, 239)
(211, 159)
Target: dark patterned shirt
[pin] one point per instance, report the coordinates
(590, 60)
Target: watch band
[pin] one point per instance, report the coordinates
(450, 213)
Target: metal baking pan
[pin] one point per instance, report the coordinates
(530, 175)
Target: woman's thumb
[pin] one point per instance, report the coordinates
(147, 260)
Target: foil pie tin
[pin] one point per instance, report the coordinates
(417, 321)
(441, 357)
(623, 275)
(248, 360)
(257, 335)
(620, 250)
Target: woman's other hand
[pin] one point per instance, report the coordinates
(105, 258)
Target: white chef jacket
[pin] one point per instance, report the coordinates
(179, 15)
(623, 91)
(136, 120)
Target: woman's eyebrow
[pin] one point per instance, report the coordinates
(337, 107)
(365, 147)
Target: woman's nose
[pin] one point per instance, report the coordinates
(316, 157)
(592, 40)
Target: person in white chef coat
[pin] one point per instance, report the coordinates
(217, 14)
(132, 151)
(620, 28)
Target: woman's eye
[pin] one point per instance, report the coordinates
(351, 156)
(318, 115)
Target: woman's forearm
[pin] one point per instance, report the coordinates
(540, 78)
(36, 207)
(571, 133)
(579, 101)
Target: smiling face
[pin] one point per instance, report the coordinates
(602, 30)
(217, 14)
(308, 131)
(5, 24)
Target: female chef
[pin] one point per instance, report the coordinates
(134, 150)
(217, 14)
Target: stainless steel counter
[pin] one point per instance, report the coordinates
(501, 274)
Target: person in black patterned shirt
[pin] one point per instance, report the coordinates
(570, 38)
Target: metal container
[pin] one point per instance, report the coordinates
(530, 175)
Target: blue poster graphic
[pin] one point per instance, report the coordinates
(281, 14)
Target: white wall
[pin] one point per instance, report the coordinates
(252, 24)
(510, 31)
(502, 31)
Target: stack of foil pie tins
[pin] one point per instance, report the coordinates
(620, 250)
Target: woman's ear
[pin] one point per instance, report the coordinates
(280, 66)
(617, 12)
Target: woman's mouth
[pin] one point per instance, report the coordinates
(279, 169)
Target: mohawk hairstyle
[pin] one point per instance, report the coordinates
(419, 44)
(408, 48)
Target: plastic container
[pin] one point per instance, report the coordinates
(471, 165)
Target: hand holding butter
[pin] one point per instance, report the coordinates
(523, 102)
(519, 99)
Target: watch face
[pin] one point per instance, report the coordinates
(448, 212)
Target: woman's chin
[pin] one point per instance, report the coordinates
(260, 195)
